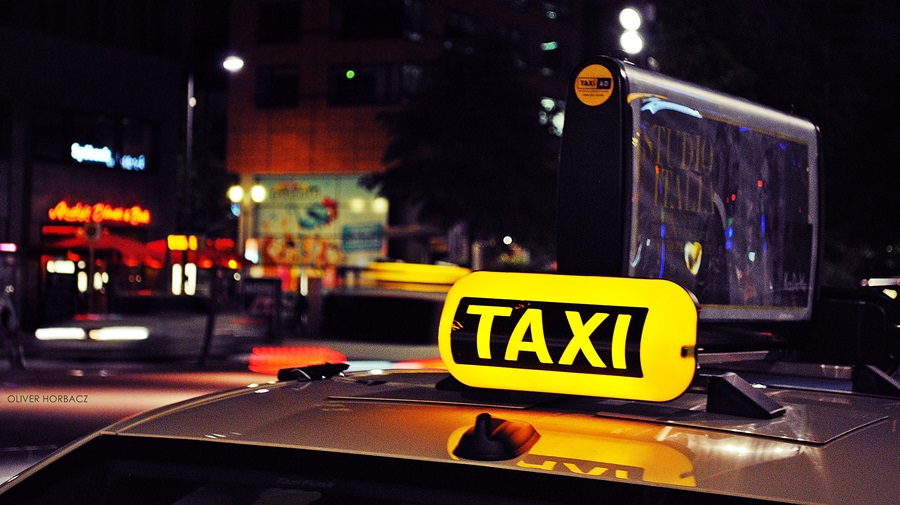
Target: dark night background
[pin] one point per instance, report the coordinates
(828, 61)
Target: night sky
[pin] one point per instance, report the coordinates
(829, 61)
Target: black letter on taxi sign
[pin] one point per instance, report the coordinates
(572, 337)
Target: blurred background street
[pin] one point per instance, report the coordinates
(54, 402)
(67, 393)
(196, 192)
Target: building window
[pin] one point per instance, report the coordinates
(372, 84)
(50, 138)
(137, 140)
(279, 22)
(554, 59)
(414, 16)
(552, 115)
(461, 32)
(5, 129)
(516, 4)
(516, 42)
(92, 139)
(277, 87)
(94, 129)
(557, 9)
(411, 80)
(377, 19)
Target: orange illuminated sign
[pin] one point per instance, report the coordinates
(99, 213)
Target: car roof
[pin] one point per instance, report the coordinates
(827, 447)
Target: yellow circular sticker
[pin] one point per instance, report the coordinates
(594, 85)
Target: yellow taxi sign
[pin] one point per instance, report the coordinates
(596, 336)
(182, 242)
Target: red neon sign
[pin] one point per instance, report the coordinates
(99, 213)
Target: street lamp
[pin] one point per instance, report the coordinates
(241, 199)
(232, 64)
(631, 40)
(637, 25)
(258, 193)
(189, 152)
(236, 195)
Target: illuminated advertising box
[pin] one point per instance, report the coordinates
(660, 178)
(319, 221)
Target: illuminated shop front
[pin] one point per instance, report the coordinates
(313, 222)
(99, 196)
(90, 249)
(89, 165)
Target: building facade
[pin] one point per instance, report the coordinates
(91, 145)
(302, 113)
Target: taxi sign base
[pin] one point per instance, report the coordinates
(730, 394)
(871, 380)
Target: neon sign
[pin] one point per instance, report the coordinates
(99, 213)
(104, 155)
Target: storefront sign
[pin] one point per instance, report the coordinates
(104, 155)
(99, 213)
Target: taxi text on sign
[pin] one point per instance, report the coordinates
(597, 336)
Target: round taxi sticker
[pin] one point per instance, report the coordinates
(594, 85)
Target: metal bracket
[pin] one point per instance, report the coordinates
(728, 393)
